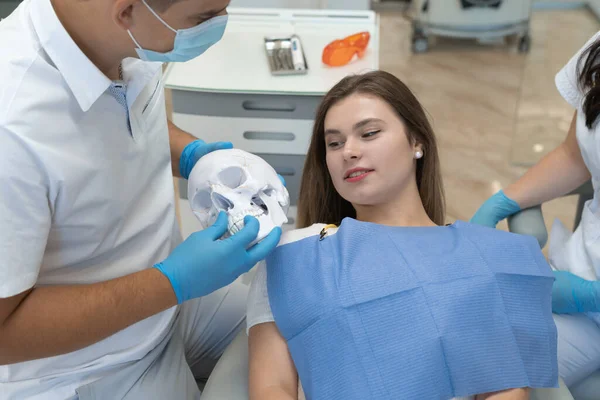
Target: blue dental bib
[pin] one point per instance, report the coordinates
(377, 312)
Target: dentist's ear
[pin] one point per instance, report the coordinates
(122, 12)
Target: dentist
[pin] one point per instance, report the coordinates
(99, 297)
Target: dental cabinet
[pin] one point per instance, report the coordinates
(229, 93)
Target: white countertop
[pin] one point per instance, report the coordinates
(238, 63)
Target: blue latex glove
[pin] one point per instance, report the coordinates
(194, 151)
(494, 210)
(572, 294)
(203, 263)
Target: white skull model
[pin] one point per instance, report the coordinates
(240, 184)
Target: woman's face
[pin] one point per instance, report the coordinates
(368, 153)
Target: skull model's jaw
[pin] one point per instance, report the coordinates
(236, 221)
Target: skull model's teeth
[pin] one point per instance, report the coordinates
(236, 222)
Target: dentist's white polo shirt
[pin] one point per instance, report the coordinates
(86, 189)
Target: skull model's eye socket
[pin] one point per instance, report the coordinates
(232, 177)
(202, 200)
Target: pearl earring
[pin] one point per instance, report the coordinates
(418, 154)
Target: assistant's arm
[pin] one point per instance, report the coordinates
(558, 173)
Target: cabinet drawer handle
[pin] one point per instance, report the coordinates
(257, 135)
(250, 105)
(285, 171)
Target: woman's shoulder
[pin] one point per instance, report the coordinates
(296, 235)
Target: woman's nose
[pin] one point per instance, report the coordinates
(351, 150)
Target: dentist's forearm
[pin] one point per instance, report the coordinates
(51, 321)
(558, 173)
(178, 139)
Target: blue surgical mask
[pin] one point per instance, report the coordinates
(189, 43)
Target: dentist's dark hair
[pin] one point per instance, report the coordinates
(589, 80)
(319, 202)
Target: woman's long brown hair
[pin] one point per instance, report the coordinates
(319, 202)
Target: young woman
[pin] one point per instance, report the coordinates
(393, 304)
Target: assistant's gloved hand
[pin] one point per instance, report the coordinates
(196, 149)
(203, 263)
(495, 209)
(572, 294)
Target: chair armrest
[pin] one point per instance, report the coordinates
(229, 378)
(529, 222)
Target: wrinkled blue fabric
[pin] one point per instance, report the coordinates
(376, 312)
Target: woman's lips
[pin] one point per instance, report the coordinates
(358, 175)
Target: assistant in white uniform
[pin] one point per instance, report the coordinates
(86, 196)
(579, 252)
(573, 255)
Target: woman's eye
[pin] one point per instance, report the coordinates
(333, 145)
(372, 133)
